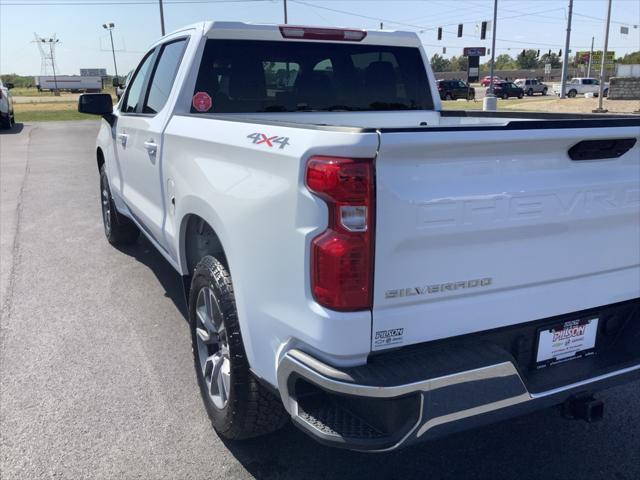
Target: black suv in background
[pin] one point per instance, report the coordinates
(507, 89)
(455, 89)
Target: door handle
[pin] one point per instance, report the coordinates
(123, 137)
(151, 147)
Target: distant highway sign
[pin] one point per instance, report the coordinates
(93, 72)
(474, 51)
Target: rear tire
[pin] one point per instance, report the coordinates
(118, 229)
(572, 93)
(505, 96)
(448, 96)
(530, 92)
(520, 95)
(544, 91)
(239, 407)
(7, 123)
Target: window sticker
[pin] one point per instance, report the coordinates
(202, 102)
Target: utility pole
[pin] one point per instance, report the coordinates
(52, 42)
(590, 55)
(53, 64)
(162, 18)
(110, 26)
(490, 102)
(603, 62)
(565, 61)
(286, 19)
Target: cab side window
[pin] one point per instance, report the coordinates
(163, 75)
(135, 91)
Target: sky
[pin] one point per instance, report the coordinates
(538, 24)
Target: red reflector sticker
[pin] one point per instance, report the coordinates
(202, 102)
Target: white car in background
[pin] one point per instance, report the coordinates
(7, 117)
(580, 86)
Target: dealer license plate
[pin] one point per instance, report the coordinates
(568, 341)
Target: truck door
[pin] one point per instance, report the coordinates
(144, 115)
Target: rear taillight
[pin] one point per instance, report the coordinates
(313, 33)
(342, 256)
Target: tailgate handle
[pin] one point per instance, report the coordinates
(600, 149)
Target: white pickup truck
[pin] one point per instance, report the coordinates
(353, 257)
(580, 86)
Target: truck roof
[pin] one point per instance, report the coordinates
(273, 32)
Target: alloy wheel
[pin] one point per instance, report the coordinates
(106, 209)
(213, 348)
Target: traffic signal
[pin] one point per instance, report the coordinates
(523, 52)
(549, 52)
(538, 54)
(560, 53)
(439, 33)
(483, 30)
(459, 30)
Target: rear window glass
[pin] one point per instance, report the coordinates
(243, 76)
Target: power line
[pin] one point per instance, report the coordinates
(85, 3)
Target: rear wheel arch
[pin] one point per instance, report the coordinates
(100, 158)
(198, 239)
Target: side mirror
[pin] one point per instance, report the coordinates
(8, 85)
(95, 104)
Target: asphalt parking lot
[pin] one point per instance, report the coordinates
(96, 374)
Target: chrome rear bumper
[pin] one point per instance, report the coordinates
(384, 406)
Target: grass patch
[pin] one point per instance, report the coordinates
(511, 104)
(52, 116)
(29, 92)
(49, 112)
(33, 92)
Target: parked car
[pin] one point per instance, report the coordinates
(7, 117)
(506, 90)
(531, 86)
(487, 80)
(380, 277)
(580, 86)
(455, 89)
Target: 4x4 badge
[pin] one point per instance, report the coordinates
(269, 141)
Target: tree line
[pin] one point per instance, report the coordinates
(528, 59)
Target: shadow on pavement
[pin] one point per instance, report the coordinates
(17, 128)
(144, 252)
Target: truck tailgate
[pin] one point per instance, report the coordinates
(480, 229)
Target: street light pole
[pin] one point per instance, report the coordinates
(603, 62)
(490, 102)
(565, 61)
(590, 57)
(110, 26)
(161, 18)
(286, 17)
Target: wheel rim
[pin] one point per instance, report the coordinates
(213, 348)
(106, 209)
